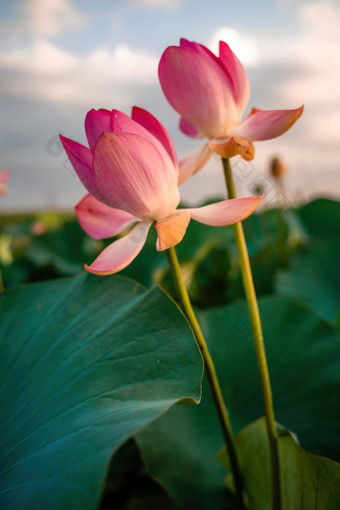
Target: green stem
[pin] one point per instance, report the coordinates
(258, 343)
(210, 370)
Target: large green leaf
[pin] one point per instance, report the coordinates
(314, 277)
(180, 452)
(304, 365)
(307, 481)
(85, 362)
(321, 218)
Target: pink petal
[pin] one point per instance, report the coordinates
(194, 162)
(4, 175)
(237, 75)
(171, 230)
(131, 174)
(226, 212)
(188, 129)
(121, 123)
(81, 160)
(263, 125)
(203, 50)
(97, 122)
(198, 89)
(120, 253)
(199, 48)
(101, 221)
(153, 126)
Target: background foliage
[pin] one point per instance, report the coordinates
(172, 462)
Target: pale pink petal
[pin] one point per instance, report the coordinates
(197, 88)
(226, 212)
(194, 162)
(151, 124)
(120, 253)
(81, 160)
(188, 129)
(263, 125)
(171, 230)
(101, 221)
(4, 175)
(121, 123)
(237, 75)
(97, 122)
(132, 176)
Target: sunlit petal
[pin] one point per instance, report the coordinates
(171, 230)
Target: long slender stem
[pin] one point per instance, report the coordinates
(210, 370)
(261, 359)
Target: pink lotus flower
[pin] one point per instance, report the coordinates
(211, 93)
(131, 172)
(4, 176)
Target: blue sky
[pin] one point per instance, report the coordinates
(60, 58)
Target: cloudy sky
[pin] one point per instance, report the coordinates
(60, 58)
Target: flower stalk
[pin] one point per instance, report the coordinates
(210, 370)
(260, 352)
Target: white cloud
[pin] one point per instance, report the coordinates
(302, 67)
(316, 54)
(42, 18)
(244, 47)
(322, 17)
(284, 72)
(46, 73)
(158, 4)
